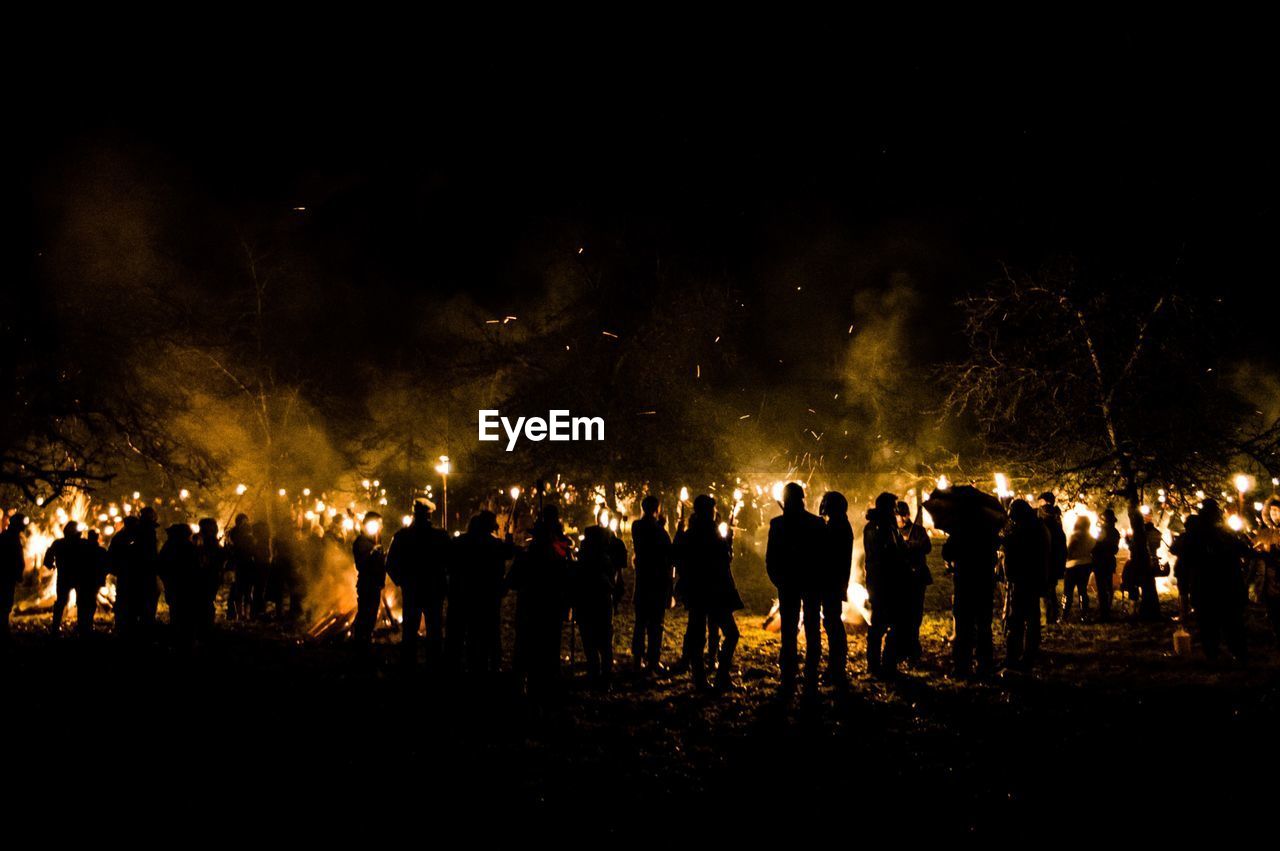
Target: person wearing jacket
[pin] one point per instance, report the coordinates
(1102, 557)
(179, 571)
(915, 541)
(1051, 516)
(595, 587)
(371, 578)
(1219, 589)
(1026, 562)
(418, 561)
(13, 562)
(970, 551)
(1079, 567)
(837, 564)
(654, 579)
(704, 562)
(477, 570)
(792, 559)
(539, 576)
(888, 585)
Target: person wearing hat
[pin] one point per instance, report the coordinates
(915, 540)
(12, 564)
(1102, 557)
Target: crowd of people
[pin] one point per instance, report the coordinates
(452, 588)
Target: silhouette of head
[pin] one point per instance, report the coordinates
(704, 506)
(833, 504)
(92, 537)
(649, 505)
(1048, 498)
(209, 528)
(1082, 524)
(18, 522)
(1210, 510)
(421, 514)
(1109, 516)
(242, 519)
(131, 522)
(178, 532)
(484, 523)
(793, 497)
(886, 504)
(148, 515)
(1020, 511)
(71, 530)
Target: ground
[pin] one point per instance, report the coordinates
(1113, 736)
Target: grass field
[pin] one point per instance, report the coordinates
(1111, 736)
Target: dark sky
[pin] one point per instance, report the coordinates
(942, 165)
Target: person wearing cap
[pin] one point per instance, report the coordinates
(12, 564)
(371, 577)
(916, 543)
(1051, 516)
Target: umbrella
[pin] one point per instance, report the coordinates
(964, 505)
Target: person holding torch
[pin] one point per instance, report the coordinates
(371, 576)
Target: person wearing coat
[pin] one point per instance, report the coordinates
(654, 584)
(595, 587)
(1218, 585)
(418, 561)
(704, 562)
(371, 578)
(1079, 567)
(792, 559)
(915, 541)
(13, 562)
(1102, 558)
(179, 571)
(539, 576)
(1027, 547)
(970, 551)
(1051, 516)
(837, 564)
(888, 585)
(476, 586)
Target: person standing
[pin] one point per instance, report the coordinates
(1026, 564)
(1267, 545)
(1220, 595)
(418, 561)
(241, 550)
(653, 587)
(887, 585)
(75, 560)
(179, 571)
(211, 559)
(1079, 567)
(595, 587)
(13, 563)
(837, 564)
(371, 578)
(792, 560)
(1102, 558)
(704, 559)
(539, 576)
(971, 552)
(477, 570)
(1051, 516)
(915, 541)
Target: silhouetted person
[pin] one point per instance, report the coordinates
(211, 560)
(1220, 594)
(971, 552)
(916, 543)
(1027, 548)
(654, 577)
(371, 577)
(888, 585)
(540, 576)
(704, 560)
(793, 559)
(418, 561)
(1184, 568)
(76, 561)
(477, 576)
(1051, 516)
(1079, 567)
(1102, 560)
(261, 568)
(594, 589)
(241, 547)
(179, 569)
(1267, 545)
(12, 564)
(837, 565)
(133, 560)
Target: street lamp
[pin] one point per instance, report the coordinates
(443, 469)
